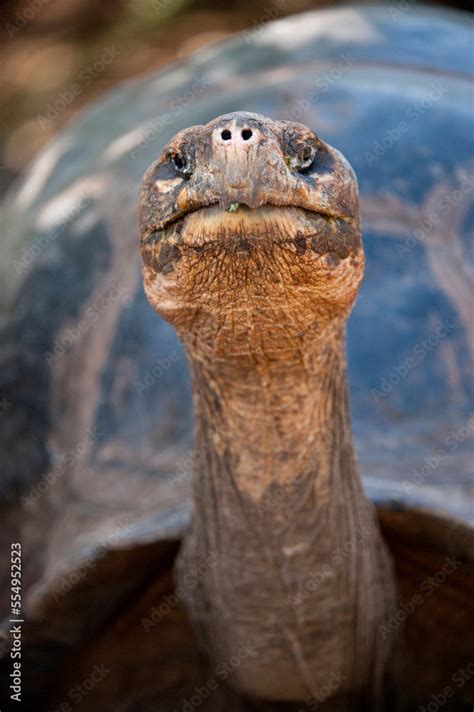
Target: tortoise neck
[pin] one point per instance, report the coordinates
(272, 420)
(278, 502)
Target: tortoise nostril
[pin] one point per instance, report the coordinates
(226, 135)
(246, 134)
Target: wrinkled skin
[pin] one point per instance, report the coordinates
(251, 249)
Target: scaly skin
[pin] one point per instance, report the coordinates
(251, 249)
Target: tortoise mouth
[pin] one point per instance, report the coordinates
(207, 224)
(215, 224)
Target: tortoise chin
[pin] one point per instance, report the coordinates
(224, 276)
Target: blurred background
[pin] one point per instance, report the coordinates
(59, 55)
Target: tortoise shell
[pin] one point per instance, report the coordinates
(97, 401)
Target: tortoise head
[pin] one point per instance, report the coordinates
(250, 224)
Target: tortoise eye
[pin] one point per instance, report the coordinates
(307, 155)
(181, 164)
(302, 156)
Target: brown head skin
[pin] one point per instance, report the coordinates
(251, 249)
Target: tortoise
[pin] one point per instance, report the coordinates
(97, 398)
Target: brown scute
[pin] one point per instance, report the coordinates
(332, 259)
(167, 257)
(335, 235)
(300, 243)
(242, 244)
(148, 254)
